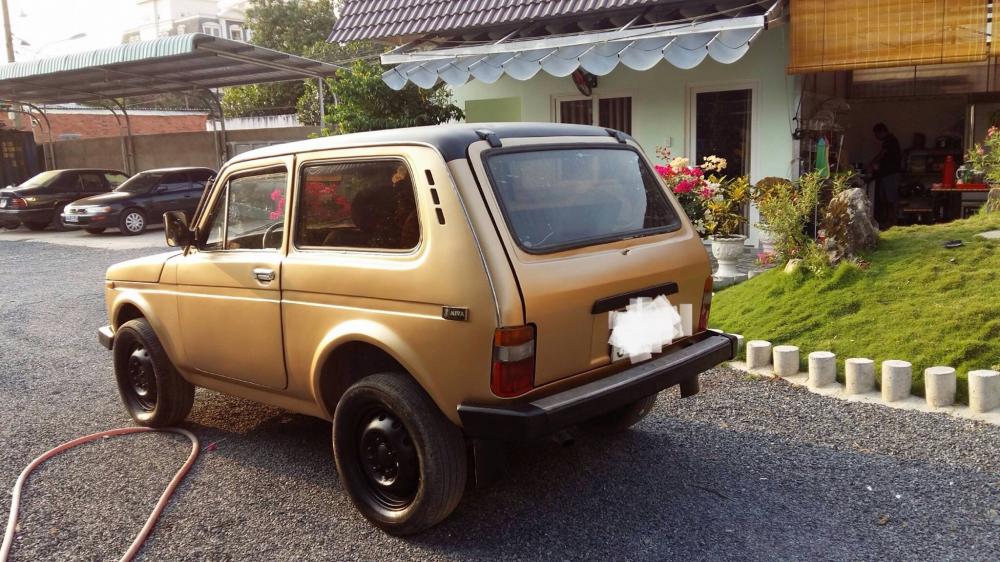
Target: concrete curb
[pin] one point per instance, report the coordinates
(940, 383)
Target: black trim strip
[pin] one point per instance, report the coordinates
(621, 300)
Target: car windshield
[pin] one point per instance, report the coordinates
(561, 198)
(140, 183)
(41, 179)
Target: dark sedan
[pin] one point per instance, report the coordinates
(42, 198)
(140, 201)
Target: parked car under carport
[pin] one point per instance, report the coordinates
(140, 201)
(40, 199)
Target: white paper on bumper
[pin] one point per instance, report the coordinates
(645, 327)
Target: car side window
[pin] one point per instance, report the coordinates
(199, 179)
(68, 182)
(173, 183)
(115, 179)
(368, 204)
(92, 183)
(249, 214)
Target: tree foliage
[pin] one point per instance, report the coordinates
(363, 101)
(366, 103)
(299, 27)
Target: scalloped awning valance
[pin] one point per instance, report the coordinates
(685, 45)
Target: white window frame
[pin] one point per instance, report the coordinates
(239, 32)
(595, 107)
(212, 29)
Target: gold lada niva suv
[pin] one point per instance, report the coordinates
(432, 291)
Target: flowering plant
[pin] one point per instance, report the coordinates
(985, 157)
(765, 259)
(713, 202)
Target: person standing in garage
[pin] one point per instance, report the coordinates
(885, 169)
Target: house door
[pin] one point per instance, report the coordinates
(722, 122)
(721, 125)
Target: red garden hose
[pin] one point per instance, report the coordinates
(15, 501)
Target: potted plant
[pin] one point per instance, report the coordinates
(688, 184)
(761, 193)
(985, 158)
(725, 215)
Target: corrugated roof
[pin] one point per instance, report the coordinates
(168, 64)
(379, 19)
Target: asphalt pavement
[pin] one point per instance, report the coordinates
(747, 470)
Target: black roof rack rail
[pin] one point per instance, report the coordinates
(490, 137)
(619, 136)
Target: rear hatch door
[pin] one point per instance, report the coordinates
(587, 226)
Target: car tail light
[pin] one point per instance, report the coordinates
(513, 361)
(706, 304)
(18, 203)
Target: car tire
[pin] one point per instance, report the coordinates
(402, 462)
(132, 222)
(623, 418)
(95, 230)
(36, 225)
(57, 219)
(152, 390)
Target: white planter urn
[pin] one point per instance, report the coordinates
(767, 238)
(727, 251)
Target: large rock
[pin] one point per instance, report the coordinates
(993, 201)
(849, 225)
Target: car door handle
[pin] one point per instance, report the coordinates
(263, 275)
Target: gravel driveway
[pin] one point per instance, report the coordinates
(749, 469)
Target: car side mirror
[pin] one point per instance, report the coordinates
(176, 228)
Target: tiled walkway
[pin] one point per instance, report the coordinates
(745, 265)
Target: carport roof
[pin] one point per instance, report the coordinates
(169, 64)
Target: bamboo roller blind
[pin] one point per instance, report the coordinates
(850, 34)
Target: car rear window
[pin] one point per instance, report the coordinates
(560, 198)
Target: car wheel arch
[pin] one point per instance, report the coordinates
(346, 357)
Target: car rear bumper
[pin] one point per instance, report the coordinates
(551, 413)
(106, 335)
(15, 215)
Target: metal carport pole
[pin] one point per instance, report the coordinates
(222, 155)
(130, 162)
(121, 138)
(51, 153)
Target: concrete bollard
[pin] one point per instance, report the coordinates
(984, 391)
(822, 369)
(786, 360)
(939, 386)
(859, 375)
(758, 354)
(897, 379)
(740, 343)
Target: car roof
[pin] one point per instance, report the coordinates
(451, 141)
(99, 170)
(177, 169)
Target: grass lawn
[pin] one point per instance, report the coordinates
(917, 301)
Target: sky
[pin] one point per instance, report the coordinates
(46, 23)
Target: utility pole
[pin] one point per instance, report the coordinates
(7, 34)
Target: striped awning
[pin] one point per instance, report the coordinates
(684, 45)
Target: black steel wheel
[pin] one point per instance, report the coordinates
(150, 387)
(388, 458)
(400, 459)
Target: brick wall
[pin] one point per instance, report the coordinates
(95, 125)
